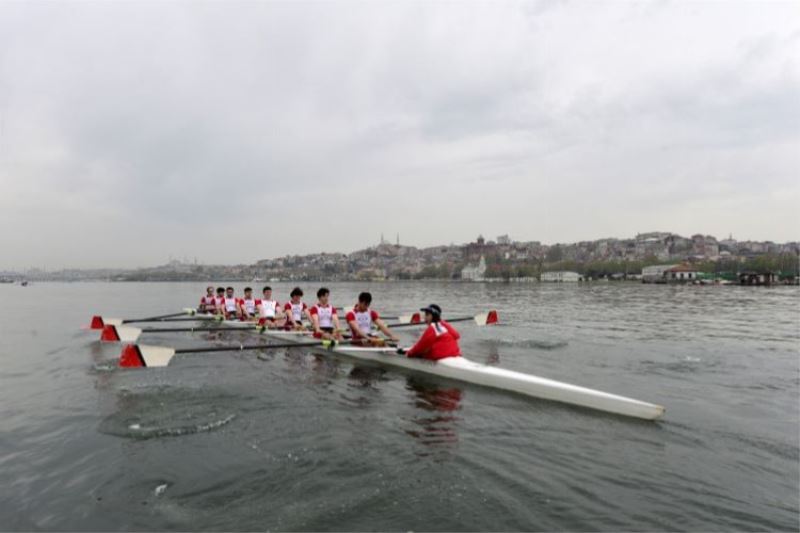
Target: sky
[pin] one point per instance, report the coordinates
(132, 132)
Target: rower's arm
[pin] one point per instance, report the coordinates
(315, 323)
(423, 345)
(354, 327)
(385, 330)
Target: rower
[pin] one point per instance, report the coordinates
(295, 309)
(268, 309)
(324, 320)
(208, 303)
(230, 305)
(220, 300)
(361, 319)
(440, 339)
(247, 307)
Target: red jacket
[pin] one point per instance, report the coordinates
(440, 340)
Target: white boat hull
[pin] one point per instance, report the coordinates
(461, 369)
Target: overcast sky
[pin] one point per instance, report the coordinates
(231, 132)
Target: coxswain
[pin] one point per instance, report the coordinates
(440, 339)
(208, 303)
(247, 307)
(361, 319)
(323, 316)
(230, 305)
(268, 309)
(295, 309)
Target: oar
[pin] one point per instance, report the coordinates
(98, 322)
(483, 319)
(143, 356)
(113, 333)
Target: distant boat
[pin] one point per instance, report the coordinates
(23, 283)
(256, 278)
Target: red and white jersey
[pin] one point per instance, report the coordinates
(268, 308)
(363, 320)
(295, 310)
(249, 305)
(208, 303)
(325, 315)
(229, 304)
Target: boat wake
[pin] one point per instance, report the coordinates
(167, 413)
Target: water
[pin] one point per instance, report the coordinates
(292, 441)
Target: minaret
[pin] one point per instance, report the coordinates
(398, 238)
(381, 237)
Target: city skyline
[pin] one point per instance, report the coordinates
(504, 239)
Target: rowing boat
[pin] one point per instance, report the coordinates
(454, 368)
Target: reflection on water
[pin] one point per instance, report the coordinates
(435, 421)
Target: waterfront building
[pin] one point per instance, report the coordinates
(681, 274)
(655, 273)
(474, 273)
(561, 276)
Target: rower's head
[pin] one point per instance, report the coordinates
(323, 294)
(267, 292)
(210, 290)
(229, 292)
(364, 301)
(433, 313)
(296, 295)
(248, 292)
(220, 291)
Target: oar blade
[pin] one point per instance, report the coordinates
(143, 356)
(120, 334)
(486, 319)
(112, 321)
(413, 318)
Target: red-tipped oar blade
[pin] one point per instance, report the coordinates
(97, 322)
(109, 334)
(485, 319)
(120, 334)
(141, 356)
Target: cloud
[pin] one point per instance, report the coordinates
(247, 130)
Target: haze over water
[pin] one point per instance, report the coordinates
(293, 441)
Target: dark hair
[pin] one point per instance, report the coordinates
(248, 289)
(220, 289)
(322, 292)
(229, 289)
(365, 297)
(267, 288)
(297, 291)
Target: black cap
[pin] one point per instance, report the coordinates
(433, 309)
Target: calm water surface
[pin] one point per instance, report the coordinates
(292, 441)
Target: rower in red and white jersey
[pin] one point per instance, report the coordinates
(208, 303)
(362, 318)
(220, 299)
(324, 319)
(230, 305)
(295, 309)
(247, 306)
(268, 309)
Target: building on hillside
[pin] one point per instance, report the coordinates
(655, 273)
(561, 276)
(474, 273)
(681, 274)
